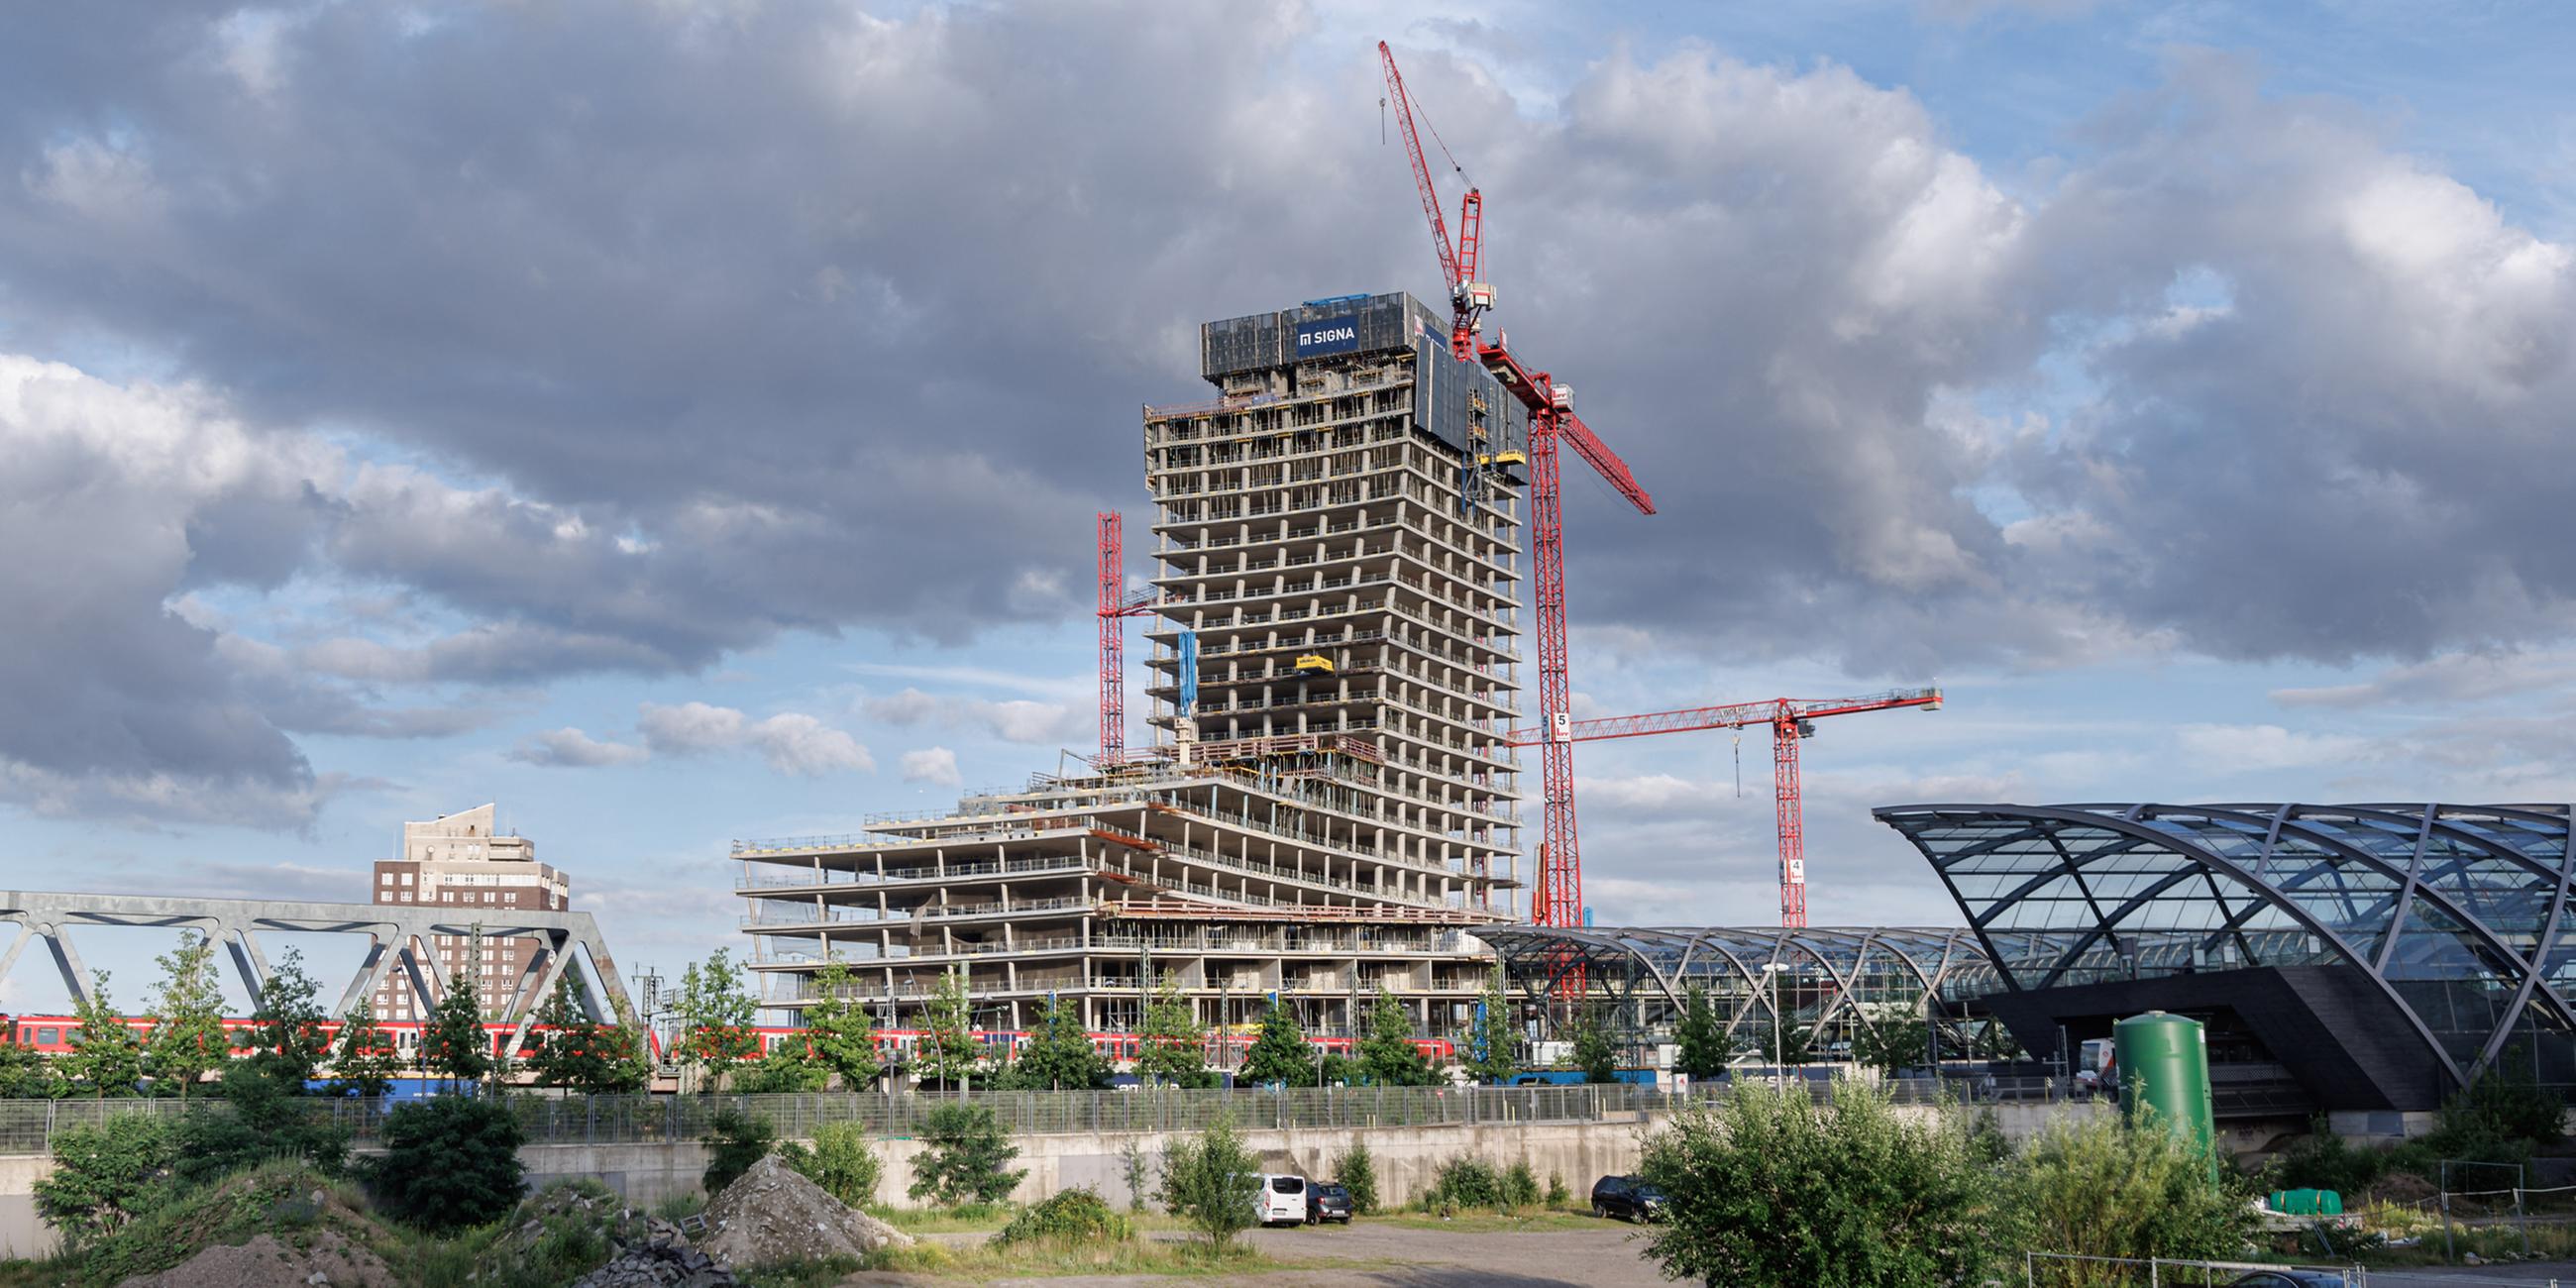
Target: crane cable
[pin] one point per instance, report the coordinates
(1414, 105)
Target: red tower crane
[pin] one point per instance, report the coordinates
(1552, 423)
(1790, 719)
(1116, 606)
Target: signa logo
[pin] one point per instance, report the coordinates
(1328, 335)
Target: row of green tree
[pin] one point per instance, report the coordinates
(718, 1039)
(178, 1044)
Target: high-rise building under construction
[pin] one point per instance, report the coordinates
(1328, 807)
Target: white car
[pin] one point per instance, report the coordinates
(1281, 1200)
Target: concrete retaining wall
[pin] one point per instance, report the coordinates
(1406, 1157)
(22, 1234)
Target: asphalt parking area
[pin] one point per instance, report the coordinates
(1607, 1254)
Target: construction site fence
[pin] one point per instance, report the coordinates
(2073, 1270)
(29, 1126)
(2069, 1270)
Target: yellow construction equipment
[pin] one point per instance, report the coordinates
(1314, 664)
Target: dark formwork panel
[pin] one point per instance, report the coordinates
(2347, 1045)
(1260, 341)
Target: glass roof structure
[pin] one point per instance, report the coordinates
(1819, 980)
(2455, 912)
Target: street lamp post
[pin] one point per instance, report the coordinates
(1779, 1059)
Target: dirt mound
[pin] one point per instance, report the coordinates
(266, 1263)
(774, 1214)
(2399, 1187)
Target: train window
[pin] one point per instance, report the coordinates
(49, 1036)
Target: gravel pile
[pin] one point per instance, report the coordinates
(774, 1214)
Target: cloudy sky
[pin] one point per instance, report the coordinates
(681, 421)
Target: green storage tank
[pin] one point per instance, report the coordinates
(2164, 1064)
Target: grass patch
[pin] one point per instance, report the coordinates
(985, 1261)
(971, 1218)
(1493, 1222)
(802, 1274)
(686, 1203)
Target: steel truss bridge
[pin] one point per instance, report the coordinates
(398, 936)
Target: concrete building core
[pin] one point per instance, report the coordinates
(1329, 807)
(459, 860)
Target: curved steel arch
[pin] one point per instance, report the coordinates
(1667, 961)
(1954, 836)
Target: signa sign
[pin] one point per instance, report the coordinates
(1329, 335)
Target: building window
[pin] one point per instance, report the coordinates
(406, 878)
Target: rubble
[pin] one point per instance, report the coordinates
(773, 1213)
(664, 1261)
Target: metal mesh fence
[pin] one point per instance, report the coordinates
(28, 1126)
(2070, 1270)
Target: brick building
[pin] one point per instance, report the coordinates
(461, 859)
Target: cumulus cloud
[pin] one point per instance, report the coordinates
(934, 765)
(617, 425)
(2448, 680)
(1017, 720)
(114, 501)
(571, 748)
(2227, 749)
(792, 742)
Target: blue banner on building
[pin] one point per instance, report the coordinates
(1337, 334)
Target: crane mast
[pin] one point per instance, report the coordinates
(1116, 606)
(1552, 425)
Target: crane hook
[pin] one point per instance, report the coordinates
(1739, 764)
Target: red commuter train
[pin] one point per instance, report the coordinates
(51, 1035)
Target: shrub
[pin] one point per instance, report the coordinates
(105, 1174)
(2322, 1160)
(1357, 1171)
(2102, 1189)
(1210, 1180)
(841, 1161)
(1069, 1216)
(1773, 1190)
(2497, 1119)
(1465, 1182)
(736, 1138)
(2504, 1107)
(1132, 1168)
(449, 1162)
(965, 1156)
(1557, 1195)
(261, 1119)
(1520, 1186)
